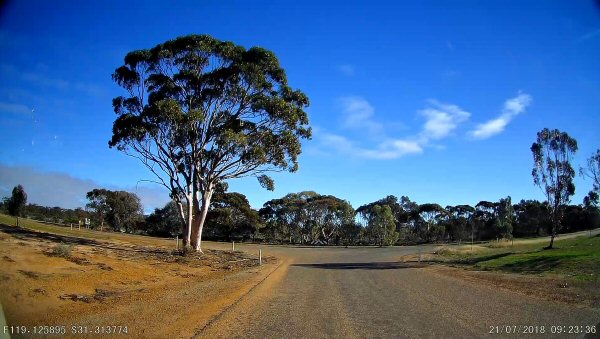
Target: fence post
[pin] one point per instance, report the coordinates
(259, 257)
(233, 246)
(177, 242)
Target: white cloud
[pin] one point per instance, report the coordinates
(442, 119)
(358, 114)
(346, 69)
(389, 149)
(512, 107)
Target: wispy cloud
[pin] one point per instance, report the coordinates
(451, 73)
(64, 190)
(346, 69)
(389, 149)
(358, 114)
(588, 36)
(39, 79)
(441, 120)
(15, 108)
(512, 107)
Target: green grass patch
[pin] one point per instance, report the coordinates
(578, 258)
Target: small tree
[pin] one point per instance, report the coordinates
(553, 173)
(98, 202)
(383, 225)
(505, 215)
(122, 210)
(592, 171)
(17, 202)
(200, 111)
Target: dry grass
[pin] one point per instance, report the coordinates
(55, 279)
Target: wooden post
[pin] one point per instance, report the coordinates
(233, 246)
(177, 242)
(260, 257)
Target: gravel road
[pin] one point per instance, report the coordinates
(371, 293)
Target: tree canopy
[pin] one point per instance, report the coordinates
(552, 171)
(200, 111)
(17, 201)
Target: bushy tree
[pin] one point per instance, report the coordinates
(98, 202)
(200, 111)
(308, 217)
(382, 226)
(553, 173)
(17, 202)
(532, 218)
(505, 215)
(459, 221)
(231, 216)
(165, 222)
(122, 210)
(429, 217)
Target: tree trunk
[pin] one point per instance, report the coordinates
(551, 242)
(190, 218)
(199, 219)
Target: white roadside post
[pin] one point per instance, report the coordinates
(233, 246)
(259, 257)
(177, 242)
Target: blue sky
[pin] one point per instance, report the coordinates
(436, 100)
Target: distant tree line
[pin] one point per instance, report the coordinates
(309, 218)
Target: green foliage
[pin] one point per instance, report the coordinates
(17, 201)
(592, 170)
(62, 250)
(505, 218)
(231, 217)
(165, 222)
(200, 111)
(122, 210)
(382, 226)
(552, 171)
(308, 217)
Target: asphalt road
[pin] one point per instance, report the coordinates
(370, 293)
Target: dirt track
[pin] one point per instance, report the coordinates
(369, 292)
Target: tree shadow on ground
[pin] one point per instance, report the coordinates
(26, 234)
(533, 265)
(362, 265)
(482, 258)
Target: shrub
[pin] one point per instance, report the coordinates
(62, 250)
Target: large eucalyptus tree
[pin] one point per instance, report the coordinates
(200, 111)
(553, 173)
